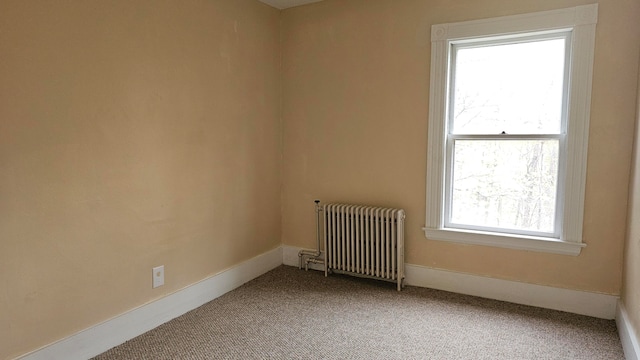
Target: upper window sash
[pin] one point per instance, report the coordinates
(456, 46)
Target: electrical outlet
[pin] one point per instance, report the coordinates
(158, 276)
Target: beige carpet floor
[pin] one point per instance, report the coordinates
(292, 314)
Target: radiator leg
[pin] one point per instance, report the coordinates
(401, 284)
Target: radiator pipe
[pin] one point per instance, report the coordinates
(312, 260)
(310, 255)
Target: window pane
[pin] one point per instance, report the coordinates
(506, 184)
(515, 88)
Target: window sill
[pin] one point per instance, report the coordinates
(530, 243)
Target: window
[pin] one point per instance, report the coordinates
(508, 128)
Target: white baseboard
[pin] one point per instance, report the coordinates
(573, 301)
(102, 337)
(628, 335)
(548, 297)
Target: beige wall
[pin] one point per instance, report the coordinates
(631, 274)
(132, 134)
(135, 134)
(356, 90)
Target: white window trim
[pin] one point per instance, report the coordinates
(582, 21)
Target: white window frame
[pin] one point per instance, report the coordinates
(581, 22)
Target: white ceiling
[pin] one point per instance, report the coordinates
(283, 4)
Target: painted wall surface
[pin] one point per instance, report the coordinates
(356, 90)
(631, 275)
(132, 134)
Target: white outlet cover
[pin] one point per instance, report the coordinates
(158, 276)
